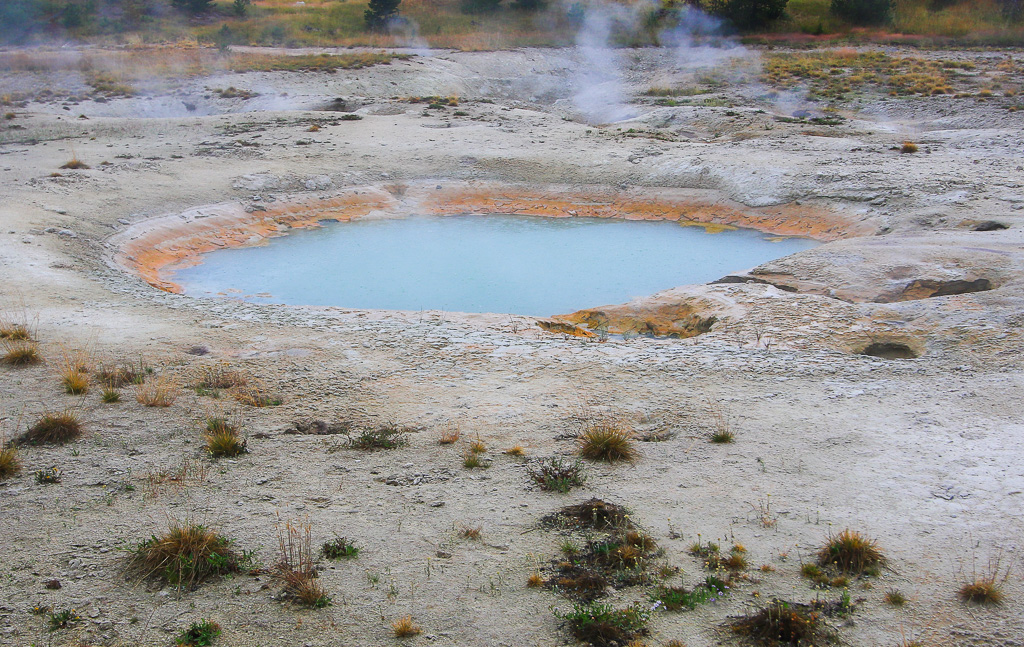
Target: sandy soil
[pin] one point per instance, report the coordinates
(924, 454)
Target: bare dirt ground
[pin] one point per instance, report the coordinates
(924, 454)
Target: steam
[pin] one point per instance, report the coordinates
(695, 41)
(600, 94)
(407, 32)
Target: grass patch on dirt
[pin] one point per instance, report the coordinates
(53, 429)
(836, 74)
(851, 553)
(602, 625)
(613, 551)
(186, 554)
(785, 623)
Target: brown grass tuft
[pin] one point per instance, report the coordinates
(468, 532)
(10, 465)
(985, 588)
(850, 552)
(534, 581)
(15, 332)
(161, 392)
(20, 353)
(223, 438)
(449, 434)
(74, 163)
(784, 623)
(908, 147)
(605, 441)
(296, 570)
(515, 450)
(75, 381)
(405, 628)
(185, 555)
(53, 428)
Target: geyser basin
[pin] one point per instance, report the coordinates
(473, 263)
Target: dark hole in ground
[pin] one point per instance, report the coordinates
(890, 350)
(929, 288)
(989, 225)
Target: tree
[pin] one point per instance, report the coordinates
(380, 12)
(748, 14)
(1013, 10)
(240, 7)
(193, 6)
(479, 6)
(863, 12)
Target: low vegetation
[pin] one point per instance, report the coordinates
(160, 392)
(388, 436)
(339, 548)
(199, 634)
(53, 429)
(784, 623)
(223, 438)
(405, 627)
(678, 598)
(186, 554)
(557, 474)
(20, 352)
(602, 625)
(295, 569)
(851, 553)
(609, 552)
(606, 441)
(10, 464)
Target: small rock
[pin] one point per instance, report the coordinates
(52, 585)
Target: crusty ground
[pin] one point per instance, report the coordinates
(923, 454)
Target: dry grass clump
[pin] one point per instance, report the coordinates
(75, 381)
(295, 569)
(254, 394)
(186, 554)
(606, 441)
(908, 147)
(478, 446)
(223, 438)
(535, 581)
(405, 627)
(895, 598)
(161, 392)
(117, 376)
(784, 623)
(74, 163)
(515, 451)
(219, 376)
(985, 588)
(470, 532)
(110, 395)
(53, 428)
(14, 332)
(449, 435)
(721, 423)
(20, 352)
(10, 465)
(851, 552)
(471, 460)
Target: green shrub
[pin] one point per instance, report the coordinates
(748, 14)
(863, 12)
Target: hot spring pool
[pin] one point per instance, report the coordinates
(495, 263)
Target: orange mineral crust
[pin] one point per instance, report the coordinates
(154, 247)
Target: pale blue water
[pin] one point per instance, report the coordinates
(505, 264)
